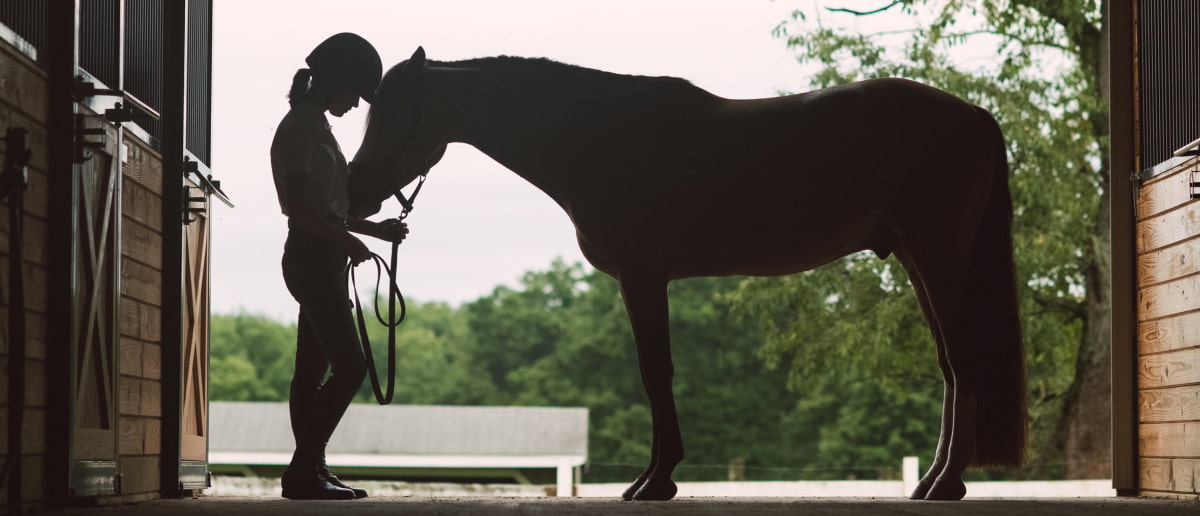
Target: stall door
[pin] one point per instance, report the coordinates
(193, 466)
(94, 322)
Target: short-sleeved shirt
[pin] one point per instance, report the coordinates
(304, 144)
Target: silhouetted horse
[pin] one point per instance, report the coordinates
(664, 180)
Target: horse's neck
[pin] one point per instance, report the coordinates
(512, 130)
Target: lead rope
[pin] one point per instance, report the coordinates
(391, 323)
(394, 295)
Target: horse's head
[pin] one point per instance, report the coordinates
(395, 150)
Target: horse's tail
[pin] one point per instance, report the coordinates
(1002, 418)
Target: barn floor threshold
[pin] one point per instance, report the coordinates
(415, 506)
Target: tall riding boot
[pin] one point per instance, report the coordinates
(329, 476)
(308, 483)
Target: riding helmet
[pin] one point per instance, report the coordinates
(350, 60)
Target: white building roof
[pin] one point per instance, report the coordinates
(407, 436)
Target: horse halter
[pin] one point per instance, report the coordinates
(406, 202)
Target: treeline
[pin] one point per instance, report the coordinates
(561, 338)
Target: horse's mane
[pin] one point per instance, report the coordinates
(562, 74)
(546, 74)
(562, 88)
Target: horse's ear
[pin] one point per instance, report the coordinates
(417, 61)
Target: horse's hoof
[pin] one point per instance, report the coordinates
(947, 490)
(633, 489)
(656, 489)
(921, 490)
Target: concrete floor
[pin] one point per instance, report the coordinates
(421, 506)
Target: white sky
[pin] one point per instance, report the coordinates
(476, 225)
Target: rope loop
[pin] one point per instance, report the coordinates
(391, 322)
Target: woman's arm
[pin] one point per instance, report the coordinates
(310, 219)
(391, 230)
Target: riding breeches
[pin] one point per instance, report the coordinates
(326, 341)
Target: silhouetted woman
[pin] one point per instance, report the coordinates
(310, 179)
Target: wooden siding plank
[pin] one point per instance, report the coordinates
(33, 471)
(140, 204)
(144, 165)
(153, 438)
(35, 335)
(1169, 440)
(151, 398)
(130, 392)
(131, 356)
(1171, 333)
(1168, 228)
(1174, 297)
(1185, 475)
(133, 436)
(151, 361)
(140, 436)
(33, 247)
(1170, 404)
(141, 282)
(1176, 475)
(35, 383)
(139, 474)
(37, 198)
(129, 317)
(23, 83)
(35, 332)
(35, 285)
(1168, 263)
(141, 243)
(1168, 369)
(33, 430)
(150, 323)
(140, 397)
(1155, 474)
(1166, 191)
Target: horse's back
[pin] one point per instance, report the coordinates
(777, 185)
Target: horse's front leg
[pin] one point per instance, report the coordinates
(646, 301)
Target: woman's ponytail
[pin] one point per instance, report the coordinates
(300, 84)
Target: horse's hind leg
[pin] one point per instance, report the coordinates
(944, 277)
(646, 301)
(947, 424)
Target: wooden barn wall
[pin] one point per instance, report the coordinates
(1168, 313)
(23, 104)
(140, 382)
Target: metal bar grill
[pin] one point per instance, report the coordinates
(1169, 77)
(199, 79)
(99, 42)
(143, 57)
(27, 18)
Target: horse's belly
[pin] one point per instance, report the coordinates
(786, 248)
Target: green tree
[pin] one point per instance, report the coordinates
(251, 358)
(1047, 88)
(435, 364)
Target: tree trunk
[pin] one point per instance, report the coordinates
(1087, 421)
(1087, 408)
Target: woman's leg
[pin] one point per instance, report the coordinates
(326, 340)
(309, 375)
(329, 318)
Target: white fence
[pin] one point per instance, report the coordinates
(269, 487)
(873, 488)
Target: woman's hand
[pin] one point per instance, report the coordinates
(392, 230)
(356, 250)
